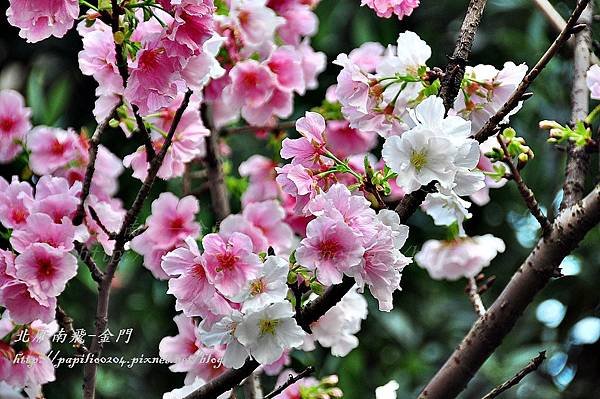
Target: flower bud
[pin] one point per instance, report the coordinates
(523, 157)
(119, 37)
(330, 380)
(336, 393)
(545, 124)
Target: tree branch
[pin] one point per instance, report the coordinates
(530, 367)
(86, 258)
(66, 323)
(491, 125)
(91, 166)
(244, 129)
(524, 190)
(252, 388)
(291, 380)
(568, 229)
(578, 159)
(473, 292)
(89, 376)
(455, 70)
(214, 167)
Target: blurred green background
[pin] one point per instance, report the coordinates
(430, 317)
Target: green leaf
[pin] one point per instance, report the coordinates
(35, 95)
(58, 99)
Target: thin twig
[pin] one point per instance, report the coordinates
(473, 293)
(291, 380)
(214, 169)
(558, 22)
(524, 190)
(531, 367)
(491, 125)
(244, 129)
(111, 235)
(150, 153)
(578, 159)
(86, 258)
(91, 166)
(66, 323)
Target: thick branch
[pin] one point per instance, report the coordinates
(577, 157)
(214, 167)
(524, 190)
(455, 70)
(491, 125)
(568, 229)
(529, 368)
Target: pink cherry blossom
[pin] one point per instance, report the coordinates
(268, 216)
(461, 257)
(330, 248)
(313, 63)
(293, 391)
(40, 19)
(280, 105)
(51, 148)
(55, 197)
(345, 141)
(196, 296)
(252, 84)
(7, 267)
(40, 227)
(300, 21)
(261, 174)
(111, 214)
(385, 8)
(295, 180)
(172, 219)
(352, 209)
(286, 63)
(46, 269)
(24, 305)
(155, 79)
(308, 149)
(14, 124)
(188, 354)
(192, 24)
(255, 22)
(368, 56)
(229, 263)
(14, 200)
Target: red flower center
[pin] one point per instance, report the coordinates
(45, 267)
(329, 249)
(177, 224)
(57, 148)
(227, 260)
(198, 271)
(6, 124)
(18, 215)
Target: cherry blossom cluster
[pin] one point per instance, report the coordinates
(268, 58)
(385, 8)
(24, 363)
